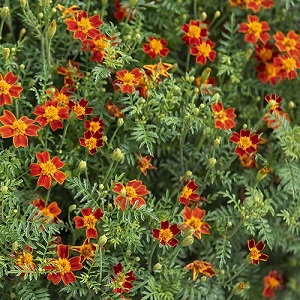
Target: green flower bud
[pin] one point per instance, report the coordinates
(217, 142)
(81, 166)
(5, 53)
(157, 267)
(4, 12)
(212, 161)
(72, 207)
(188, 241)
(51, 30)
(102, 240)
(117, 155)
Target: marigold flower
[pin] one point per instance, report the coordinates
(114, 110)
(89, 221)
(86, 250)
(143, 163)
(123, 281)
(47, 169)
(92, 141)
(166, 233)
(274, 120)
(159, 69)
(193, 219)
(63, 266)
(188, 194)
(248, 161)
(71, 73)
(80, 109)
(272, 282)
(50, 212)
(194, 31)
(156, 47)
(122, 11)
(96, 124)
(287, 66)
(265, 53)
(267, 72)
(24, 259)
(97, 47)
(132, 194)
(18, 129)
(69, 12)
(125, 81)
(51, 113)
(224, 118)
(239, 3)
(8, 89)
(62, 96)
(255, 5)
(289, 43)
(255, 30)
(246, 142)
(201, 266)
(205, 85)
(255, 250)
(203, 51)
(83, 26)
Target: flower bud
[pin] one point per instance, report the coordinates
(4, 189)
(262, 173)
(5, 53)
(202, 105)
(23, 3)
(217, 142)
(81, 166)
(245, 126)
(291, 105)
(22, 66)
(120, 122)
(14, 246)
(4, 12)
(189, 232)
(40, 15)
(217, 14)
(203, 279)
(102, 240)
(205, 74)
(188, 241)
(72, 207)
(117, 155)
(51, 30)
(157, 267)
(101, 187)
(203, 16)
(128, 253)
(188, 173)
(22, 33)
(137, 258)
(212, 161)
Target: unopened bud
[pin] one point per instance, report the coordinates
(157, 267)
(262, 173)
(51, 30)
(4, 12)
(14, 246)
(128, 253)
(137, 258)
(248, 54)
(203, 279)
(202, 105)
(104, 2)
(217, 142)
(22, 66)
(217, 97)
(72, 207)
(81, 166)
(205, 74)
(291, 105)
(212, 161)
(117, 155)
(101, 187)
(189, 232)
(120, 122)
(245, 126)
(102, 240)
(188, 173)
(4, 189)
(203, 16)
(217, 14)
(5, 53)
(188, 241)
(23, 3)
(40, 15)
(22, 33)
(196, 111)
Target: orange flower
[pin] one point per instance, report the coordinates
(255, 30)
(248, 161)
(193, 219)
(132, 194)
(289, 43)
(127, 80)
(50, 212)
(265, 53)
(8, 89)
(200, 266)
(272, 282)
(89, 221)
(24, 259)
(18, 129)
(206, 84)
(80, 109)
(47, 169)
(62, 267)
(69, 12)
(82, 26)
(123, 281)
(188, 194)
(203, 51)
(114, 110)
(287, 66)
(166, 233)
(96, 124)
(255, 5)
(194, 31)
(224, 118)
(255, 250)
(274, 120)
(267, 72)
(159, 69)
(62, 96)
(86, 250)
(70, 73)
(122, 11)
(246, 142)
(156, 47)
(143, 163)
(92, 141)
(239, 3)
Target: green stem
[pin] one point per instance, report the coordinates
(238, 225)
(153, 247)
(108, 173)
(47, 196)
(187, 64)
(174, 255)
(112, 138)
(64, 134)
(244, 265)
(195, 9)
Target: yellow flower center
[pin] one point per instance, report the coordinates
(63, 265)
(94, 126)
(46, 213)
(254, 254)
(271, 70)
(86, 251)
(62, 98)
(19, 127)
(258, 2)
(165, 235)
(89, 221)
(186, 192)
(25, 259)
(84, 25)
(273, 282)
(244, 142)
(288, 64)
(91, 143)
(156, 46)
(254, 28)
(51, 113)
(79, 110)
(4, 87)
(289, 43)
(193, 222)
(121, 278)
(265, 54)
(130, 192)
(128, 78)
(100, 45)
(194, 31)
(221, 115)
(48, 168)
(204, 49)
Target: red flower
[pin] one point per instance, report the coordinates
(122, 11)
(8, 89)
(203, 50)
(132, 194)
(246, 142)
(96, 124)
(114, 110)
(89, 221)
(248, 161)
(80, 109)
(188, 194)
(166, 233)
(47, 169)
(62, 96)
(97, 47)
(194, 31)
(143, 163)
(51, 211)
(156, 47)
(267, 72)
(287, 66)
(193, 219)
(121, 280)
(71, 11)
(84, 26)
(272, 282)
(51, 113)
(205, 85)
(200, 266)
(255, 5)
(24, 259)
(159, 69)
(289, 43)
(255, 30)
(224, 118)
(127, 80)
(255, 250)
(70, 73)
(86, 250)
(265, 53)
(92, 141)
(62, 267)
(18, 129)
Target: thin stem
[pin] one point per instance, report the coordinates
(238, 225)
(195, 9)
(244, 265)
(108, 173)
(153, 246)
(64, 134)
(187, 64)
(174, 255)
(47, 196)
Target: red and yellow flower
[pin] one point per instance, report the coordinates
(289, 43)
(122, 11)
(51, 113)
(89, 221)
(194, 31)
(122, 281)
(132, 194)
(203, 51)
(63, 267)
(255, 5)
(156, 47)
(97, 47)
(86, 250)
(92, 141)
(188, 193)
(71, 73)
(273, 281)
(166, 233)
(80, 109)
(18, 129)
(201, 267)
(47, 169)
(96, 124)
(125, 81)
(255, 30)
(224, 118)
(265, 53)
(246, 142)
(69, 12)
(114, 110)
(248, 161)
(255, 251)
(286, 66)
(24, 259)
(62, 96)
(267, 72)
(50, 211)
(193, 219)
(143, 163)
(8, 89)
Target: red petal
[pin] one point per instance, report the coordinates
(20, 140)
(75, 263)
(98, 214)
(251, 244)
(86, 211)
(155, 233)
(68, 278)
(42, 157)
(91, 233)
(6, 131)
(172, 242)
(45, 181)
(260, 245)
(63, 251)
(35, 169)
(57, 162)
(164, 224)
(60, 177)
(174, 229)
(79, 222)
(55, 278)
